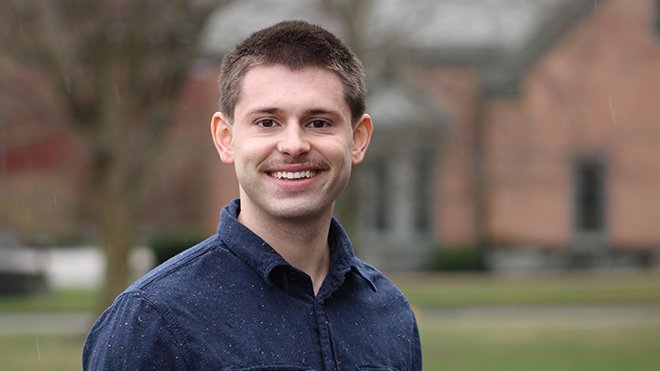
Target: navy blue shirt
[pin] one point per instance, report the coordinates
(233, 303)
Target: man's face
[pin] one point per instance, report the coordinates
(292, 143)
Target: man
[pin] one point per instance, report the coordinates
(278, 288)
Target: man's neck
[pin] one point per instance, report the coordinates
(302, 243)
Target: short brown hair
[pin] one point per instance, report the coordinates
(295, 44)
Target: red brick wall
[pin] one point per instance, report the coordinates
(456, 91)
(595, 92)
(526, 189)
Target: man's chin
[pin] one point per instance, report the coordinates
(298, 210)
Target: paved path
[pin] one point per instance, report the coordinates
(45, 323)
(555, 316)
(540, 316)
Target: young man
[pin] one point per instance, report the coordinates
(278, 288)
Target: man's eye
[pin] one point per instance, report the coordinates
(266, 123)
(318, 124)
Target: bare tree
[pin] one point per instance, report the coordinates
(111, 70)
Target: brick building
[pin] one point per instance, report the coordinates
(542, 146)
(552, 151)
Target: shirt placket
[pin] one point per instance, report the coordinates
(325, 336)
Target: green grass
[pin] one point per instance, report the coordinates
(34, 353)
(444, 290)
(446, 347)
(621, 288)
(498, 347)
(485, 345)
(56, 301)
(513, 346)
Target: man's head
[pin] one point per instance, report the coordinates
(294, 44)
(292, 121)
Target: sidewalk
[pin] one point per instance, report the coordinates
(574, 316)
(45, 323)
(541, 316)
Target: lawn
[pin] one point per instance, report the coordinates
(496, 347)
(489, 343)
(57, 301)
(33, 353)
(503, 343)
(446, 347)
(586, 288)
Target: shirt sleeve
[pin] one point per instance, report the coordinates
(416, 349)
(133, 334)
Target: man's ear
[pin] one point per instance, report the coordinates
(221, 131)
(361, 138)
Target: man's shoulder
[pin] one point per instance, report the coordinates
(381, 282)
(184, 270)
(170, 288)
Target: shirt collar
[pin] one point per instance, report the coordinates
(261, 257)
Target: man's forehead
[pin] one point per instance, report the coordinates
(268, 87)
(282, 70)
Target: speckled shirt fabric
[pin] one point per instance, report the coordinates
(232, 303)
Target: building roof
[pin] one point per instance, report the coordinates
(396, 104)
(504, 76)
(501, 38)
(416, 24)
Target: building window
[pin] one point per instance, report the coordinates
(397, 194)
(590, 195)
(423, 190)
(656, 20)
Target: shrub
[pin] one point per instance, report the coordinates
(21, 283)
(457, 259)
(169, 244)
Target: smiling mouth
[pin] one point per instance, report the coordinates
(293, 174)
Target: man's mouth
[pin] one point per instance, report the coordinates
(293, 174)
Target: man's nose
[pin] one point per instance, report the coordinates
(294, 141)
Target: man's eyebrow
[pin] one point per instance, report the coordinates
(322, 111)
(262, 110)
(308, 112)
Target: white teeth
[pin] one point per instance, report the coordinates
(293, 175)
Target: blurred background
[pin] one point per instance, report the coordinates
(510, 189)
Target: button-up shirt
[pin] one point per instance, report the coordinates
(233, 303)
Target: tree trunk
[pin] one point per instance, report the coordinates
(118, 231)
